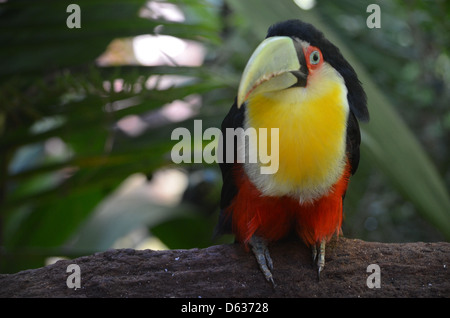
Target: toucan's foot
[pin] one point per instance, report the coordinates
(318, 255)
(261, 251)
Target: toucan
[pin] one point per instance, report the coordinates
(298, 82)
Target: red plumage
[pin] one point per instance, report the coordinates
(274, 217)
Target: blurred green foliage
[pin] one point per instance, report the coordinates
(63, 155)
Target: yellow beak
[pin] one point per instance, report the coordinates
(269, 68)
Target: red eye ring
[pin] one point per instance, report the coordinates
(313, 57)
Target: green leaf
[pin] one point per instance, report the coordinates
(112, 221)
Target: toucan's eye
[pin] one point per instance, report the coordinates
(314, 57)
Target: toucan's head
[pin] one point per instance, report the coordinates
(296, 55)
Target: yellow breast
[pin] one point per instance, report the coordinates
(312, 131)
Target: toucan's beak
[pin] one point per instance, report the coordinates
(275, 65)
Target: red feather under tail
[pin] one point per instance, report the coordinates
(274, 217)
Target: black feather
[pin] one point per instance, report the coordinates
(234, 119)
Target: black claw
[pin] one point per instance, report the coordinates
(273, 283)
(319, 269)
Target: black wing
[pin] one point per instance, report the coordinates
(234, 119)
(353, 141)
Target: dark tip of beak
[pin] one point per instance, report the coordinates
(301, 78)
(302, 73)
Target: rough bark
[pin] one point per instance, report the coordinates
(406, 270)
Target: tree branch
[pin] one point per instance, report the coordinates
(406, 270)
